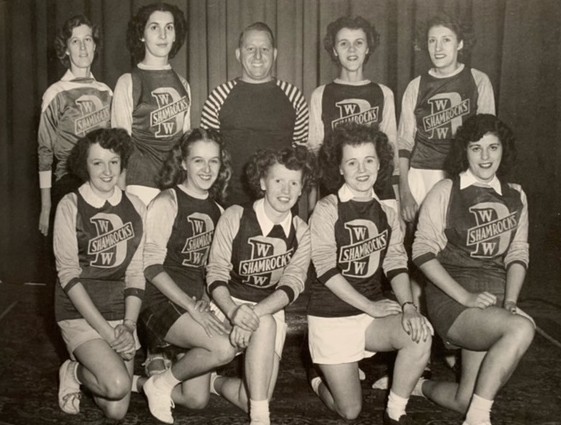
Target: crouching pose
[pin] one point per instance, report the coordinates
(472, 244)
(97, 244)
(258, 264)
(180, 224)
(354, 237)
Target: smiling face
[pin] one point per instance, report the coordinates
(351, 47)
(359, 167)
(484, 157)
(257, 56)
(443, 47)
(104, 168)
(202, 165)
(80, 49)
(159, 36)
(282, 188)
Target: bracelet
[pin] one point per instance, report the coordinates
(129, 323)
(408, 302)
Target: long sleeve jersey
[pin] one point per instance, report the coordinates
(434, 108)
(357, 240)
(250, 117)
(339, 102)
(253, 257)
(154, 106)
(71, 108)
(99, 244)
(465, 224)
(179, 232)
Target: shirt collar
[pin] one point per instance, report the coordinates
(345, 193)
(265, 223)
(95, 201)
(468, 179)
(69, 76)
(153, 67)
(432, 73)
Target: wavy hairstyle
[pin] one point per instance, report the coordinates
(293, 158)
(115, 139)
(137, 24)
(353, 134)
(372, 36)
(472, 130)
(65, 33)
(463, 31)
(172, 173)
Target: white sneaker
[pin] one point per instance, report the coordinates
(159, 402)
(361, 374)
(381, 383)
(69, 389)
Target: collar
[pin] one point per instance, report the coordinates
(468, 179)
(153, 68)
(345, 193)
(69, 76)
(265, 223)
(351, 83)
(456, 72)
(95, 201)
(191, 193)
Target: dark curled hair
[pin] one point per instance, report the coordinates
(137, 24)
(297, 158)
(472, 130)
(463, 31)
(372, 36)
(65, 33)
(172, 173)
(353, 134)
(257, 26)
(115, 139)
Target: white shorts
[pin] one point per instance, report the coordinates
(421, 182)
(337, 340)
(278, 316)
(76, 332)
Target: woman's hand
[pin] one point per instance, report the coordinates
(384, 308)
(510, 306)
(240, 337)
(480, 300)
(244, 317)
(44, 221)
(409, 206)
(201, 305)
(124, 343)
(415, 324)
(208, 320)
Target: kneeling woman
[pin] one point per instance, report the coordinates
(180, 224)
(472, 244)
(97, 244)
(354, 237)
(258, 264)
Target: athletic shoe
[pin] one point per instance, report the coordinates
(403, 420)
(361, 374)
(159, 402)
(381, 383)
(69, 389)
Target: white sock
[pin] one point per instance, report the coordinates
(315, 383)
(479, 410)
(166, 380)
(259, 411)
(418, 390)
(213, 377)
(396, 406)
(134, 387)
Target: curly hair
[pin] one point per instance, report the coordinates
(463, 31)
(115, 139)
(353, 134)
(257, 26)
(172, 173)
(65, 33)
(472, 130)
(293, 158)
(137, 24)
(372, 36)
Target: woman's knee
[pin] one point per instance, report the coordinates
(521, 329)
(116, 411)
(350, 411)
(224, 351)
(194, 401)
(116, 386)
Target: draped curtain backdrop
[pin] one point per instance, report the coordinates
(518, 46)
